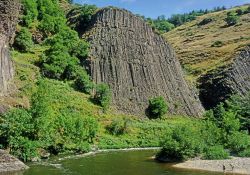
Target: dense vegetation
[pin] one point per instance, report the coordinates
(224, 131)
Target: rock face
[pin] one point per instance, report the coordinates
(8, 18)
(9, 163)
(217, 86)
(137, 64)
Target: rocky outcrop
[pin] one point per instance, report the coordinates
(217, 86)
(8, 18)
(137, 64)
(9, 163)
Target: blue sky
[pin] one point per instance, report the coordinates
(154, 8)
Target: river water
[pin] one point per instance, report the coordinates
(112, 163)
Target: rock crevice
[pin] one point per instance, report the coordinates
(137, 64)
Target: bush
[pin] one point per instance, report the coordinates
(157, 107)
(216, 153)
(184, 143)
(238, 142)
(103, 96)
(83, 82)
(239, 12)
(217, 44)
(17, 132)
(118, 127)
(245, 153)
(231, 18)
(247, 10)
(205, 21)
(23, 41)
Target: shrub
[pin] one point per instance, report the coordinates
(247, 10)
(184, 143)
(245, 153)
(103, 96)
(239, 12)
(23, 40)
(217, 44)
(118, 127)
(205, 21)
(231, 18)
(215, 153)
(157, 107)
(238, 142)
(83, 82)
(17, 132)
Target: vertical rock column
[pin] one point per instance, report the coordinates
(9, 11)
(137, 64)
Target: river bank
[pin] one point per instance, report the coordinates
(236, 165)
(108, 150)
(8, 163)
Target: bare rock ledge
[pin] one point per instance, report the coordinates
(9, 163)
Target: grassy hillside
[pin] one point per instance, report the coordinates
(201, 48)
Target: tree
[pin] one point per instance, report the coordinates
(83, 82)
(157, 107)
(30, 12)
(231, 18)
(103, 96)
(80, 17)
(23, 40)
(240, 104)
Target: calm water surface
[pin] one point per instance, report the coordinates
(113, 163)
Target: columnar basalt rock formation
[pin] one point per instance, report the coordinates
(9, 11)
(137, 64)
(217, 86)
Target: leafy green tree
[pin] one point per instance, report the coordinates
(240, 104)
(30, 12)
(184, 143)
(157, 107)
(103, 95)
(238, 141)
(23, 40)
(50, 25)
(17, 132)
(231, 18)
(55, 61)
(80, 17)
(83, 82)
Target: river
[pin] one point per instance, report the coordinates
(110, 163)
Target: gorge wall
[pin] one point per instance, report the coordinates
(9, 11)
(137, 64)
(217, 86)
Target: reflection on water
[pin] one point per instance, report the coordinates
(113, 163)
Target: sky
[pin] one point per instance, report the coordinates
(155, 8)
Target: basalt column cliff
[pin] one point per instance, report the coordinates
(137, 64)
(8, 18)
